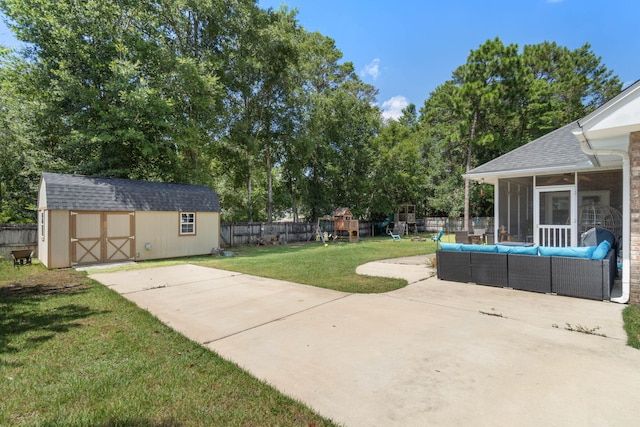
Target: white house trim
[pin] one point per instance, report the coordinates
(626, 209)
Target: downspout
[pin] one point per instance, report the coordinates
(626, 208)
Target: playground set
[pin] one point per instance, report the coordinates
(400, 223)
(340, 225)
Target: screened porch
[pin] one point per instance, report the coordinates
(554, 210)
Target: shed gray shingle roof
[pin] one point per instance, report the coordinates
(556, 149)
(78, 192)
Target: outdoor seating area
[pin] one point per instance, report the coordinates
(583, 272)
(477, 236)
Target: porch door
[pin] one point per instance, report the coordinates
(555, 216)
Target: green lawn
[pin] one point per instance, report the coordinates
(74, 353)
(631, 316)
(332, 266)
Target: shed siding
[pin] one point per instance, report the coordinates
(119, 225)
(43, 240)
(42, 195)
(58, 244)
(161, 231)
(119, 236)
(88, 225)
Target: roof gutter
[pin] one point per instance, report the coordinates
(626, 206)
(494, 176)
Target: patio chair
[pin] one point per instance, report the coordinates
(594, 236)
(462, 236)
(436, 238)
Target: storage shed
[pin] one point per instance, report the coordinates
(90, 220)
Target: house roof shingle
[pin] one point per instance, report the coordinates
(557, 149)
(79, 192)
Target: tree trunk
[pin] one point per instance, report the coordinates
(249, 176)
(269, 185)
(294, 200)
(467, 184)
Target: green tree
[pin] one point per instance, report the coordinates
(501, 99)
(443, 151)
(559, 86)
(125, 88)
(341, 127)
(20, 163)
(327, 156)
(484, 85)
(399, 170)
(95, 99)
(260, 79)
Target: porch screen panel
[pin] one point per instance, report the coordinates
(600, 201)
(515, 216)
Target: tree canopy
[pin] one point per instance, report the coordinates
(268, 114)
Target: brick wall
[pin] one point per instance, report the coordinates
(634, 255)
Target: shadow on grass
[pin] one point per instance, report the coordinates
(252, 251)
(126, 422)
(28, 319)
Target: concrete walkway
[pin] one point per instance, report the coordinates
(433, 353)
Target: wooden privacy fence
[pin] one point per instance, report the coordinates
(273, 233)
(25, 236)
(18, 236)
(284, 232)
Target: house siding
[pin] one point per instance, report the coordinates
(57, 246)
(634, 255)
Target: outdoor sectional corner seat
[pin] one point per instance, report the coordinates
(584, 272)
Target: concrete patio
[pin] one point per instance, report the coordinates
(432, 353)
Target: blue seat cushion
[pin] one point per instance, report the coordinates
(450, 247)
(478, 248)
(581, 252)
(518, 250)
(601, 250)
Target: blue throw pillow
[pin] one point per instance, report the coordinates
(601, 250)
(478, 248)
(581, 252)
(518, 250)
(450, 247)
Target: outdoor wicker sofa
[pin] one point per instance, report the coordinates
(561, 275)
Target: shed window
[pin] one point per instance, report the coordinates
(42, 226)
(187, 223)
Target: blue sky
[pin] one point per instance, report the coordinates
(406, 48)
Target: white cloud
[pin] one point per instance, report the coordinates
(392, 107)
(372, 69)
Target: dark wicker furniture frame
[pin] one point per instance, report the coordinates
(576, 277)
